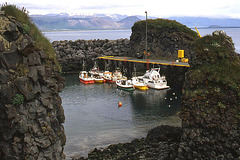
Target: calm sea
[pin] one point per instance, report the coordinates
(118, 34)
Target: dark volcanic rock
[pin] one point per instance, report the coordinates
(164, 38)
(210, 105)
(164, 133)
(30, 119)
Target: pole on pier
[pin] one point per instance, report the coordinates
(145, 55)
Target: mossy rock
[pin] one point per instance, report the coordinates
(213, 48)
(27, 27)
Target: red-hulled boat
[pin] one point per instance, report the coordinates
(84, 78)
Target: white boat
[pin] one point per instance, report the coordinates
(113, 77)
(138, 83)
(84, 78)
(98, 78)
(154, 80)
(97, 75)
(125, 85)
(108, 77)
(117, 75)
(158, 84)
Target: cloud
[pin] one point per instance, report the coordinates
(210, 8)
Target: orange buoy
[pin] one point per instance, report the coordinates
(119, 104)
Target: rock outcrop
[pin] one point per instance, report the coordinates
(31, 114)
(164, 38)
(72, 53)
(160, 143)
(210, 110)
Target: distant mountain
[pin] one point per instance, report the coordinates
(206, 22)
(82, 22)
(128, 22)
(63, 21)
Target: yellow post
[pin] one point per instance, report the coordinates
(198, 32)
(180, 54)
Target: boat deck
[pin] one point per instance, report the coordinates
(133, 59)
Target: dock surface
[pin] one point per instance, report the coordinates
(150, 61)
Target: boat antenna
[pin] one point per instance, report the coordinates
(83, 65)
(95, 64)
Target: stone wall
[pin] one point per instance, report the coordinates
(31, 114)
(72, 53)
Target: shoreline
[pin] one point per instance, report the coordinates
(161, 142)
(172, 121)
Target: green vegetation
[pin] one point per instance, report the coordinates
(18, 99)
(215, 64)
(159, 24)
(41, 42)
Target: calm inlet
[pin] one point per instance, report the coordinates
(93, 118)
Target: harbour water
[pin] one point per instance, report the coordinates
(93, 118)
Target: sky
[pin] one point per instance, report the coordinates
(156, 8)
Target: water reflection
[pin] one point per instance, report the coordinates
(93, 118)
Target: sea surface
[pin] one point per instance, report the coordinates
(94, 119)
(118, 34)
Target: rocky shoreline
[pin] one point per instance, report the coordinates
(160, 143)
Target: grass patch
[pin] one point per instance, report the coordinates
(41, 42)
(18, 99)
(158, 25)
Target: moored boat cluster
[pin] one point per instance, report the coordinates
(151, 79)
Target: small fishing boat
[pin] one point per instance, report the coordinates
(154, 80)
(125, 85)
(84, 78)
(97, 75)
(138, 83)
(108, 77)
(117, 75)
(158, 83)
(98, 78)
(113, 77)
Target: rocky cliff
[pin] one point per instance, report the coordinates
(31, 114)
(164, 38)
(210, 105)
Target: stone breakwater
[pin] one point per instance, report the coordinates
(71, 54)
(31, 114)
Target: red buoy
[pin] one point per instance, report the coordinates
(119, 104)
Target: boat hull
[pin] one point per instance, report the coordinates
(109, 80)
(141, 87)
(159, 87)
(126, 88)
(125, 85)
(85, 81)
(99, 80)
